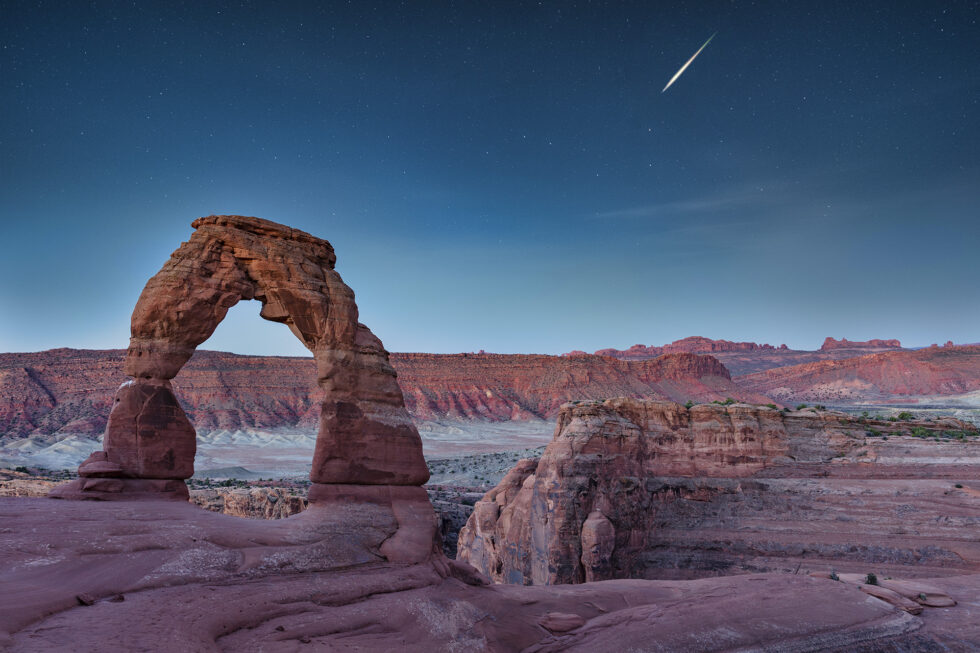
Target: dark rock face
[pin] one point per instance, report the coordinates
(366, 436)
(647, 489)
(454, 506)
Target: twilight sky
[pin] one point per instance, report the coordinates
(504, 176)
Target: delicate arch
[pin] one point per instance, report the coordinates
(366, 436)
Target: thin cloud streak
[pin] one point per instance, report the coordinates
(756, 194)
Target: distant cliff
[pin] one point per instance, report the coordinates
(844, 343)
(69, 391)
(513, 386)
(689, 345)
(747, 357)
(887, 376)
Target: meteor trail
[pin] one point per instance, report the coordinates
(684, 67)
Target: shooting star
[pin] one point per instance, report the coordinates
(684, 67)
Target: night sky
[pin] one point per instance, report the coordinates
(504, 176)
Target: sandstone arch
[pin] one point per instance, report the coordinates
(365, 434)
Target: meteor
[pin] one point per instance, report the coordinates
(684, 67)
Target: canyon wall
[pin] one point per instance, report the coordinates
(502, 386)
(650, 489)
(69, 391)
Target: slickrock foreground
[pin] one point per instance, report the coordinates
(168, 576)
(648, 489)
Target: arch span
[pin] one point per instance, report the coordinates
(365, 437)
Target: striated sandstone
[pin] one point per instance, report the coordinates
(227, 392)
(647, 489)
(882, 377)
(502, 387)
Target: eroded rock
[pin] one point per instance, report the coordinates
(366, 436)
(648, 489)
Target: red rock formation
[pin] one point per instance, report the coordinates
(365, 437)
(844, 343)
(70, 390)
(689, 345)
(747, 357)
(634, 489)
(23, 401)
(879, 377)
(502, 387)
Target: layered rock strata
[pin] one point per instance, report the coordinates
(894, 376)
(747, 357)
(648, 489)
(367, 452)
(504, 387)
(64, 392)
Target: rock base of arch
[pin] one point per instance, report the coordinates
(415, 536)
(122, 489)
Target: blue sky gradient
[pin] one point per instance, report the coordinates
(504, 176)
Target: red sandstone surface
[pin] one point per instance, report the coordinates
(161, 575)
(70, 390)
(881, 377)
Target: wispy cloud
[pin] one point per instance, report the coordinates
(760, 194)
